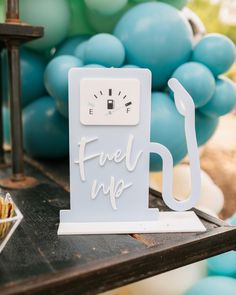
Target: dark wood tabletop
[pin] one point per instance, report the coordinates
(37, 261)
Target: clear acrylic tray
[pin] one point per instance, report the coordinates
(8, 225)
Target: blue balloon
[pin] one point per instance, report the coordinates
(232, 220)
(130, 67)
(155, 36)
(32, 70)
(205, 127)
(223, 100)
(223, 265)
(69, 46)
(104, 49)
(80, 50)
(213, 286)
(56, 80)
(216, 51)
(198, 81)
(167, 128)
(93, 66)
(46, 133)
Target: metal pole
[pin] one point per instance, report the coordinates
(12, 15)
(2, 159)
(12, 11)
(15, 110)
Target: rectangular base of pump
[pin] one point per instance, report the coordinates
(167, 222)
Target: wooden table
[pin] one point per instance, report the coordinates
(37, 261)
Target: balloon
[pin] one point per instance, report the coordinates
(160, 284)
(104, 49)
(2, 11)
(32, 66)
(130, 66)
(176, 3)
(45, 130)
(103, 23)
(155, 36)
(106, 7)
(79, 22)
(205, 127)
(211, 197)
(93, 66)
(223, 264)
(232, 220)
(213, 286)
(167, 128)
(198, 81)
(223, 100)
(216, 51)
(80, 50)
(68, 47)
(56, 80)
(53, 15)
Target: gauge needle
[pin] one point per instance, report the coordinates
(117, 109)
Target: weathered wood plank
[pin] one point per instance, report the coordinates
(37, 261)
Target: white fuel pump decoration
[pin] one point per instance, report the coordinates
(109, 118)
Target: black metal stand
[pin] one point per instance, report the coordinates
(13, 33)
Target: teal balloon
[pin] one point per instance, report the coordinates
(223, 265)
(56, 80)
(179, 4)
(68, 47)
(94, 66)
(106, 7)
(45, 130)
(32, 67)
(213, 286)
(155, 36)
(197, 80)
(232, 220)
(80, 50)
(53, 15)
(104, 49)
(223, 100)
(216, 51)
(205, 127)
(130, 67)
(167, 128)
(6, 125)
(79, 23)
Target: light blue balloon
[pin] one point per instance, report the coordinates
(155, 36)
(205, 127)
(223, 265)
(213, 286)
(130, 67)
(56, 80)
(216, 51)
(93, 66)
(45, 130)
(104, 49)
(223, 100)
(232, 220)
(68, 47)
(32, 67)
(198, 81)
(80, 50)
(167, 128)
